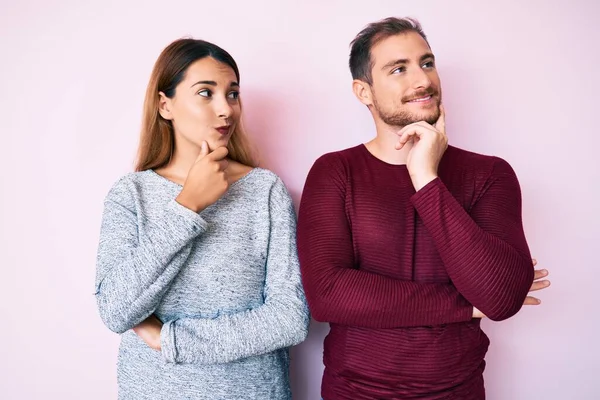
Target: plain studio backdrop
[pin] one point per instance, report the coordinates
(520, 81)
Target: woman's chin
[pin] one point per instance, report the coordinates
(215, 143)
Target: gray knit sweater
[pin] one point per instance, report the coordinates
(225, 282)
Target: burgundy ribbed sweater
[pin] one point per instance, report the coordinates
(395, 272)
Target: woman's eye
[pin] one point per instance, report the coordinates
(205, 93)
(234, 95)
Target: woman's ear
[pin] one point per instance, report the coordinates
(164, 106)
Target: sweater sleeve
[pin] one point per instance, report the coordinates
(280, 322)
(338, 292)
(484, 250)
(134, 271)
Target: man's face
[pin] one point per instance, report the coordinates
(406, 86)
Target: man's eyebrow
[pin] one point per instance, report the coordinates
(426, 56)
(394, 63)
(402, 61)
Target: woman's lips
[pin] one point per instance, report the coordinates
(224, 130)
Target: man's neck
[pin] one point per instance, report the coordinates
(383, 146)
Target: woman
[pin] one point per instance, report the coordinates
(197, 265)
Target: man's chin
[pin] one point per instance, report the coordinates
(405, 118)
(430, 117)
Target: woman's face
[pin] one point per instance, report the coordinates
(205, 106)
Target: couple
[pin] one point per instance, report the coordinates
(404, 243)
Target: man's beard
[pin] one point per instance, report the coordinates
(401, 118)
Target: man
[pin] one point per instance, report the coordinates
(405, 243)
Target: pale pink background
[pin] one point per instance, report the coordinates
(520, 81)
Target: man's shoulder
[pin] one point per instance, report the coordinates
(338, 159)
(461, 159)
(471, 158)
(342, 155)
(335, 165)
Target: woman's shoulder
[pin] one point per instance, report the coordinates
(263, 183)
(263, 177)
(130, 185)
(263, 174)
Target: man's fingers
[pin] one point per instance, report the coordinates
(539, 285)
(540, 273)
(531, 301)
(418, 129)
(415, 129)
(404, 138)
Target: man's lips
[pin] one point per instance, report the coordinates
(421, 99)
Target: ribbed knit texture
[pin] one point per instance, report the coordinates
(396, 273)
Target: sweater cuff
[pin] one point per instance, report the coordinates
(431, 198)
(167, 342)
(187, 214)
(427, 190)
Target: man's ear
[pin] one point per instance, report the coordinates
(362, 91)
(164, 106)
